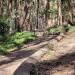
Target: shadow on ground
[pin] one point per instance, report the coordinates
(48, 67)
(20, 54)
(23, 53)
(41, 39)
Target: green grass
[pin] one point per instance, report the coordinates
(20, 38)
(54, 30)
(16, 40)
(59, 29)
(72, 29)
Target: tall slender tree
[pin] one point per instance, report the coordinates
(70, 10)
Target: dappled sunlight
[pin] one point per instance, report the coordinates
(37, 37)
(26, 50)
(63, 65)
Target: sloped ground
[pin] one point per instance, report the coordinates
(29, 53)
(61, 61)
(36, 58)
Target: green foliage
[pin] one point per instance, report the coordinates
(66, 28)
(60, 29)
(52, 11)
(57, 29)
(54, 30)
(4, 28)
(21, 37)
(72, 29)
(16, 40)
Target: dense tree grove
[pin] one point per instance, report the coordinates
(27, 15)
(37, 37)
(23, 20)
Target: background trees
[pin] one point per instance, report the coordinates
(44, 16)
(28, 15)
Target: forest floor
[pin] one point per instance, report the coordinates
(59, 61)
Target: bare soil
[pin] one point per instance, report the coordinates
(60, 61)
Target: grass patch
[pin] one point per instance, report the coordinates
(54, 30)
(16, 40)
(72, 29)
(60, 29)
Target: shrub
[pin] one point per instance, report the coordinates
(54, 30)
(16, 40)
(4, 28)
(21, 37)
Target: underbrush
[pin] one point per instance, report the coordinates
(72, 29)
(53, 30)
(16, 40)
(58, 29)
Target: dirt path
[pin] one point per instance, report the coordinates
(61, 61)
(30, 53)
(57, 62)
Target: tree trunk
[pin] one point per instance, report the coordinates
(70, 10)
(0, 7)
(60, 12)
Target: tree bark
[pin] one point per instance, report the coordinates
(70, 10)
(0, 7)
(60, 12)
